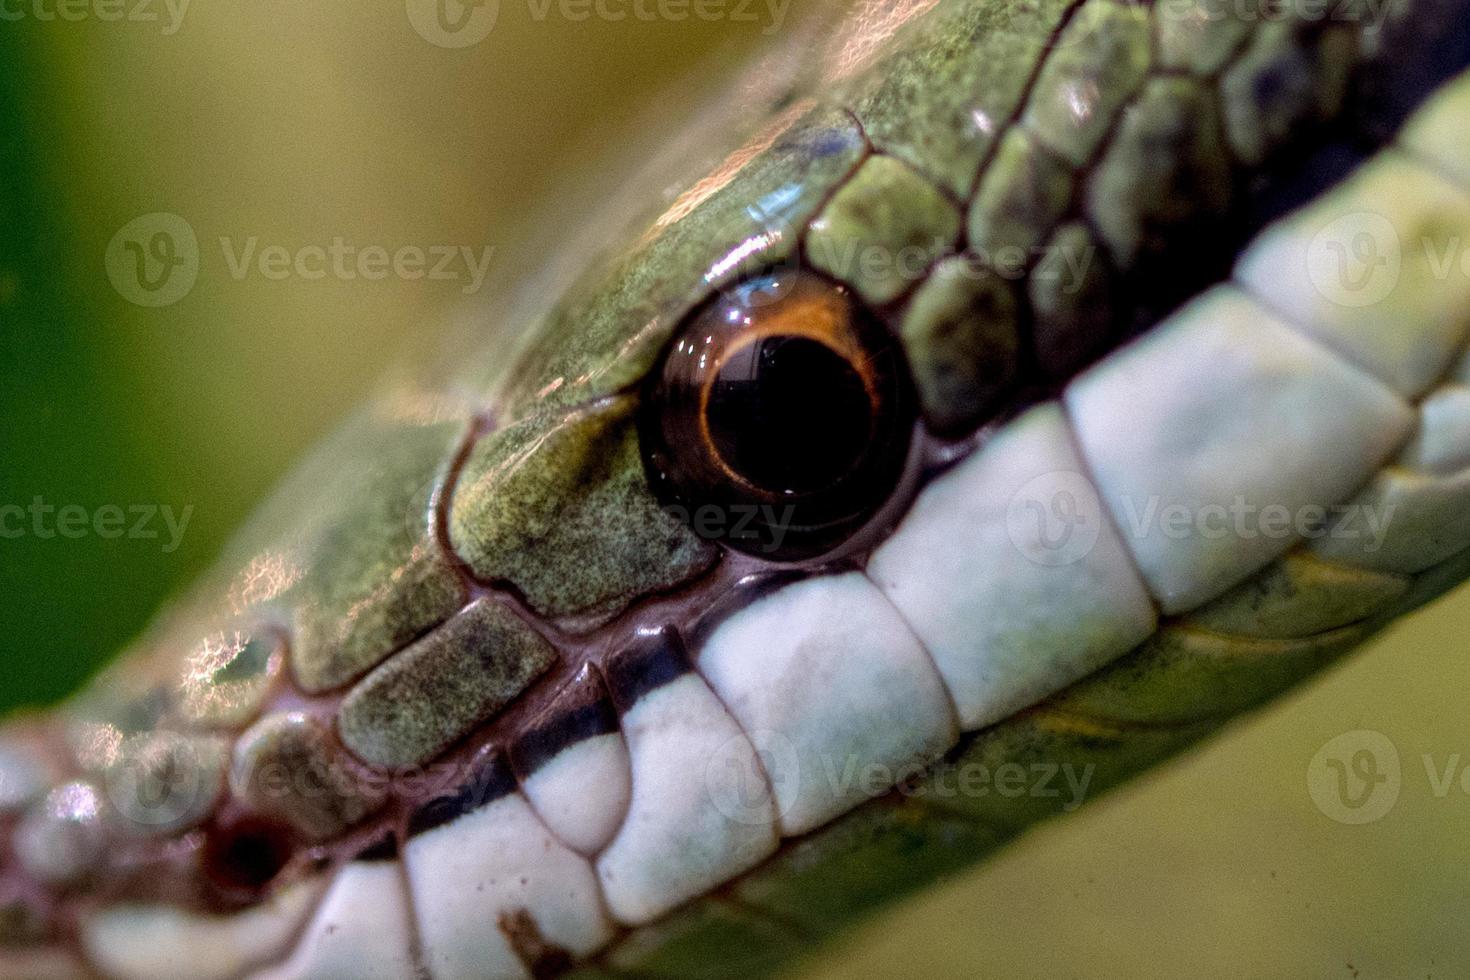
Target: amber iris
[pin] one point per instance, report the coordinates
(780, 417)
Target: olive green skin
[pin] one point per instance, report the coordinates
(520, 475)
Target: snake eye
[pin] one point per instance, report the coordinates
(780, 417)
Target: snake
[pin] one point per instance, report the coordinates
(983, 402)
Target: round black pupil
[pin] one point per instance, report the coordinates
(789, 414)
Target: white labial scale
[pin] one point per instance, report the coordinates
(1437, 131)
(1405, 522)
(701, 812)
(834, 691)
(148, 942)
(1375, 269)
(1441, 444)
(582, 792)
(361, 930)
(474, 877)
(1213, 436)
(1416, 513)
(1012, 574)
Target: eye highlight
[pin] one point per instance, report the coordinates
(780, 416)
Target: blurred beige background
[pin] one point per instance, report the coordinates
(298, 123)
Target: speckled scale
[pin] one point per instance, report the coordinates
(345, 556)
(25, 772)
(164, 783)
(940, 99)
(963, 342)
(607, 331)
(438, 690)
(1285, 621)
(1072, 292)
(126, 699)
(290, 766)
(1022, 195)
(558, 508)
(1165, 174)
(62, 839)
(1099, 60)
(346, 620)
(863, 861)
(1183, 674)
(1285, 79)
(882, 230)
(1299, 596)
(227, 677)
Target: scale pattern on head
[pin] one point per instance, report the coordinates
(522, 674)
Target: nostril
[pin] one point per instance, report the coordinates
(242, 856)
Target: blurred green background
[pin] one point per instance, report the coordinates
(296, 124)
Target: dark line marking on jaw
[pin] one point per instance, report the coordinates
(494, 781)
(744, 594)
(654, 658)
(384, 849)
(581, 710)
